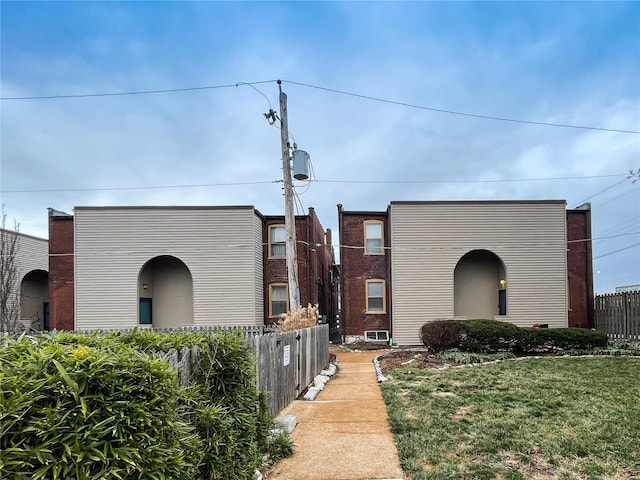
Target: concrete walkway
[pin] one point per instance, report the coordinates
(344, 433)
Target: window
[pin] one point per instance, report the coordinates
(373, 244)
(277, 241)
(278, 299)
(376, 336)
(376, 302)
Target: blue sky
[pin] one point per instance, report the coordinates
(568, 63)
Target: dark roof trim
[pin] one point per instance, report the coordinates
(585, 207)
(53, 213)
(173, 207)
(20, 234)
(478, 202)
(363, 212)
(167, 207)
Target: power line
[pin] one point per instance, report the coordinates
(622, 226)
(452, 112)
(616, 251)
(326, 89)
(616, 198)
(139, 92)
(505, 180)
(606, 189)
(411, 247)
(605, 237)
(157, 187)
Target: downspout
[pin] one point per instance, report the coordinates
(341, 272)
(389, 291)
(310, 271)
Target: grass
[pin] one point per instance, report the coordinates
(560, 418)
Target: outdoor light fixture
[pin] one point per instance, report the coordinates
(503, 283)
(145, 286)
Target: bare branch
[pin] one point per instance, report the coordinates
(9, 295)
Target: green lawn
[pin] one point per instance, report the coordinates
(565, 418)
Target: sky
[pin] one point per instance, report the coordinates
(561, 63)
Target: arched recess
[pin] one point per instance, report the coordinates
(34, 300)
(165, 293)
(480, 286)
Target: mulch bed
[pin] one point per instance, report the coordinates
(411, 358)
(403, 357)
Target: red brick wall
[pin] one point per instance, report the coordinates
(314, 264)
(580, 269)
(356, 268)
(61, 273)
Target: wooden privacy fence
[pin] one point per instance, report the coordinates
(618, 315)
(246, 330)
(286, 363)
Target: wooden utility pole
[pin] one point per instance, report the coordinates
(289, 217)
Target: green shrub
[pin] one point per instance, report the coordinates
(105, 389)
(440, 335)
(488, 336)
(553, 339)
(73, 411)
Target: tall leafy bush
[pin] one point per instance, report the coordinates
(103, 407)
(84, 413)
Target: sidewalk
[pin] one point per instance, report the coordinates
(344, 433)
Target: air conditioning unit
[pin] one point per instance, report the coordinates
(376, 336)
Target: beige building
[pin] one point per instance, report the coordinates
(503, 260)
(167, 266)
(422, 261)
(32, 279)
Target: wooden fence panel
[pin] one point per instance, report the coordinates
(618, 315)
(286, 363)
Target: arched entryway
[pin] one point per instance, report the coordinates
(480, 286)
(34, 300)
(165, 293)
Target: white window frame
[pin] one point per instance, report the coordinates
(384, 296)
(381, 238)
(286, 291)
(272, 244)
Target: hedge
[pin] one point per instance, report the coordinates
(84, 413)
(489, 336)
(91, 407)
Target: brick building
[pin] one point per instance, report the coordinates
(365, 269)
(61, 271)
(119, 267)
(523, 262)
(316, 266)
(580, 267)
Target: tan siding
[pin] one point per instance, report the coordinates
(217, 245)
(33, 254)
(258, 269)
(428, 240)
